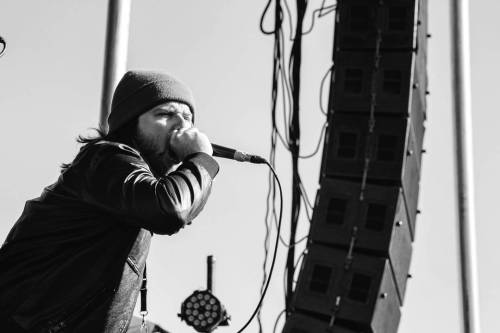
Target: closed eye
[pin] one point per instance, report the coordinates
(166, 113)
(186, 116)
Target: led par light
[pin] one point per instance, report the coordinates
(202, 310)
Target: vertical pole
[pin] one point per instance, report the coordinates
(115, 54)
(464, 166)
(210, 272)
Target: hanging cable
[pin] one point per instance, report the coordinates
(318, 144)
(271, 194)
(306, 197)
(282, 312)
(284, 283)
(322, 10)
(266, 248)
(331, 72)
(263, 16)
(294, 129)
(263, 294)
(328, 9)
(286, 85)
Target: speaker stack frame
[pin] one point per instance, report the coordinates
(354, 273)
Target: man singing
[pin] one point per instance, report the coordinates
(74, 260)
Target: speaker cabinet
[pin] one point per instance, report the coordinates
(395, 158)
(400, 75)
(301, 323)
(368, 296)
(381, 221)
(393, 153)
(358, 21)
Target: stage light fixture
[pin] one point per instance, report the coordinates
(202, 310)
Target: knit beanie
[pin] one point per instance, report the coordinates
(139, 91)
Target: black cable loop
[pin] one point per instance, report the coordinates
(331, 70)
(262, 17)
(277, 320)
(318, 144)
(330, 9)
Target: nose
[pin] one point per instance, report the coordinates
(181, 122)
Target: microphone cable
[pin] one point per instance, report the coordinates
(278, 231)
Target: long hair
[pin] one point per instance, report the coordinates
(125, 134)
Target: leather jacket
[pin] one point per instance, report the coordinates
(73, 262)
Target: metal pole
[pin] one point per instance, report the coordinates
(464, 164)
(115, 54)
(210, 272)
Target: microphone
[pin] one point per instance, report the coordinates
(233, 154)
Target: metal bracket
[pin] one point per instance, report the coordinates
(334, 314)
(371, 122)
(348, 259)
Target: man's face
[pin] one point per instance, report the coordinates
(154, 129)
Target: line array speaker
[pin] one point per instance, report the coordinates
(355, 271)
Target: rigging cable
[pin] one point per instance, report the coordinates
(278, 20)
(289, 91)
(294, 129)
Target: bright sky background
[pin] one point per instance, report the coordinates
(50, 87)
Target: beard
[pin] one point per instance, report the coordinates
(158, 158)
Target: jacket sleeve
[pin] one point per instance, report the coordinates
(119, 181)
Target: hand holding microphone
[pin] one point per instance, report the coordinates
(189, 141)
(184, 142)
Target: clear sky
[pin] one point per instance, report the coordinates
(50, 86)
